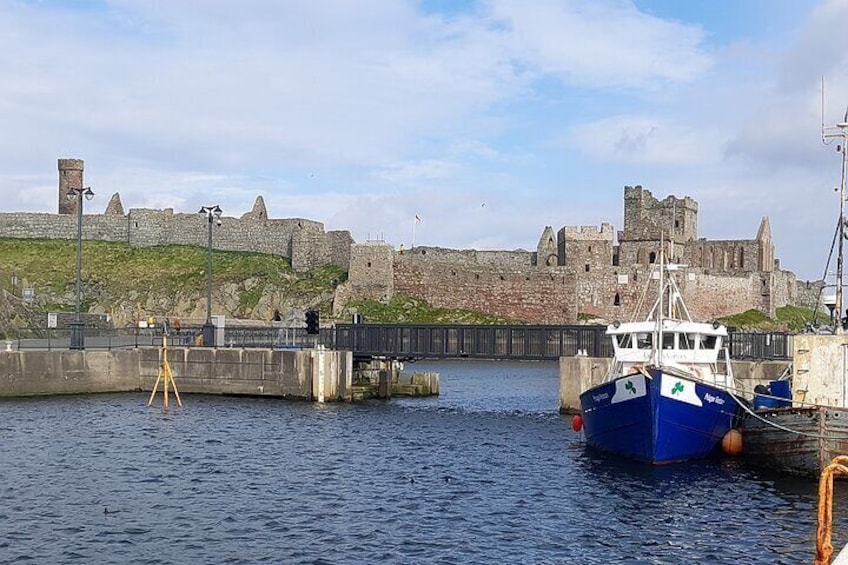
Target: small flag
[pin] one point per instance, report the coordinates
(417, 218)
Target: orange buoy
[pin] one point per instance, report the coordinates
(731, 443)
(577, 423)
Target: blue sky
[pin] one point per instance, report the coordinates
(489, 119)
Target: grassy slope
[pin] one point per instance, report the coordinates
(115, 272)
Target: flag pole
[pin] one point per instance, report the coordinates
(414, 221)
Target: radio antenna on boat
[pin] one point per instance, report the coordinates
(829, 133)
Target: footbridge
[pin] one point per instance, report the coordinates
(404, 341)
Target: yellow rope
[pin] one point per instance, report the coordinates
(824, 544)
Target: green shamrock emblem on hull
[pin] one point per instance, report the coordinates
(678, 387)
(630, 387)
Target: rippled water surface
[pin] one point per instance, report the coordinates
(487, 473)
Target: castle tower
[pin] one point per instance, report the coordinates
(546, 250)
(648, 221)
(585, 248)
(70, 176)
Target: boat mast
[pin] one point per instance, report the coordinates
(829, 133)
(843, 127)
(660, 311)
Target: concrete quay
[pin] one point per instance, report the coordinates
(577, 374)
(310, 374)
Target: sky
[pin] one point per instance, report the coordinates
(488, 119)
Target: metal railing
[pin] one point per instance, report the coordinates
(489, 342)
(401, 341)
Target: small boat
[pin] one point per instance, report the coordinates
(804, 436)
(668, 396)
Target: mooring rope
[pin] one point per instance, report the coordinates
(752, 413)
(824, 526)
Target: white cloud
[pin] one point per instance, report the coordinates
(647, 140)
(602, 44)
(363, 117)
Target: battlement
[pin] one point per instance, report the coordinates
(587, 233)
(648, 219)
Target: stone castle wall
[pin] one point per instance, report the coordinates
(536, 295)
(303, 241)
(471, 257)
(582, 274)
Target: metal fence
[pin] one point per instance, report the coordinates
(489, 342)
(757, 346)
(402, 341)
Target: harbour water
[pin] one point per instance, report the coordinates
(488, 472)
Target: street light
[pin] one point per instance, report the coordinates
(213, 213)
(77, 326)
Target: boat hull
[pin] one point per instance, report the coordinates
(657, 418)
(823, 435)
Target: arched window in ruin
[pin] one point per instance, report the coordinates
(617, 300)
(652, 257)
(741, 257)
(587, 267)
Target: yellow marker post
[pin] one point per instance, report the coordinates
(166, 377)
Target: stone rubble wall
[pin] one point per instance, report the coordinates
(303, 241)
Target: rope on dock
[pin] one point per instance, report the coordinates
(824, 544)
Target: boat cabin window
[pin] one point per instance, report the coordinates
(644, 340)
(687, 341)
(668, 341)
(710, 342)
(625, 341)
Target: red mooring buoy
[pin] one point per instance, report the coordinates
(577, 423)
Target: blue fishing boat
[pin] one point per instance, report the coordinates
(668, 396)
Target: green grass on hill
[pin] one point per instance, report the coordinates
(788, 318)
(120, 271)
(407, 310)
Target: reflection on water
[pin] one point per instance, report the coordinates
(487, 473)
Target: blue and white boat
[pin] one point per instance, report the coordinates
(668, 396)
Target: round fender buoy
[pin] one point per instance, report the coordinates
(731, 443)
(577, 423)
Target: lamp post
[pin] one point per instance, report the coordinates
(77, 326)
(213, 213)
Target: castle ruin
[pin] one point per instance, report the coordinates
(304, 242)
(583, 274)
(576, 273)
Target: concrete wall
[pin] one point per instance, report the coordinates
(577, 374)
(820, 370)
(260, 372)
